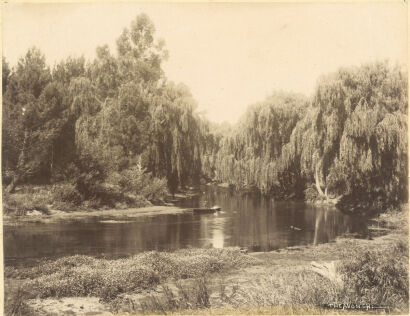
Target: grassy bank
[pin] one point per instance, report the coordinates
(218, 281)
(103, 215)
(81, 276)
(130, 189)
(43, 204)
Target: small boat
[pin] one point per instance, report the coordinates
(212, 209)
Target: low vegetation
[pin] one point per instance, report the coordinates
(88, 276)
(131, 188)
(292, 288)
(378, 277)
(196, 295)
(21, 204)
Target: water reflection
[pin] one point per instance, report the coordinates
(218, 233)
(246, 220)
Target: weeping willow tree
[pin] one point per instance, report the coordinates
(348, 144)
(248, 157)
(212, 135)
(372, 162)
(175, 148)
(352, 144)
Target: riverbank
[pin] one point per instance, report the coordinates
(38, 204)
(103, 215)
(292, 280)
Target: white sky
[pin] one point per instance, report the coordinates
(230, 55)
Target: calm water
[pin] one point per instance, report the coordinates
(246, 220)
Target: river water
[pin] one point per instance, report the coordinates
(246, 220)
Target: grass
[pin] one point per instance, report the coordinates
(196, 295)
(368, 278)
(395, 219)
(88, 276)
(16, 302)
(378, 277)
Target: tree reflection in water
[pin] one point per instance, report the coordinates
(246, 220)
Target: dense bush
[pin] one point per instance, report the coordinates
(21, 203)
(378, 277)
(311, 193)
(135, 182)
(67, 192)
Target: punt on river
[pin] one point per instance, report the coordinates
(213, 209)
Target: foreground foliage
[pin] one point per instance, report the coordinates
(88, 276)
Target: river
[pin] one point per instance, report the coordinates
(246, 220)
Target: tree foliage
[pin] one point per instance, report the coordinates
(88, 122)
(250, 156)
(348, 142)
(117, 121)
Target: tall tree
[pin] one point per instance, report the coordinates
(249, 155)
(353, 142)
(5, 74)
(21, 114)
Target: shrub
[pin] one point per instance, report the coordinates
(156, 190)
(378, 277)
(21, 203)
(311, 193)
(136, 181)
(105, 194)
(136, 200)
(90, 176)
(67, 192)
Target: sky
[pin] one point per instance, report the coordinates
(229, 55)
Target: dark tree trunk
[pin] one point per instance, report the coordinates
(20, 165)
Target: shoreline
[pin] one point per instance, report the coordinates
(104, 214)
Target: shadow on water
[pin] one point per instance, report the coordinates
(246, 220)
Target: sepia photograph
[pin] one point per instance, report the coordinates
(205, 158)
